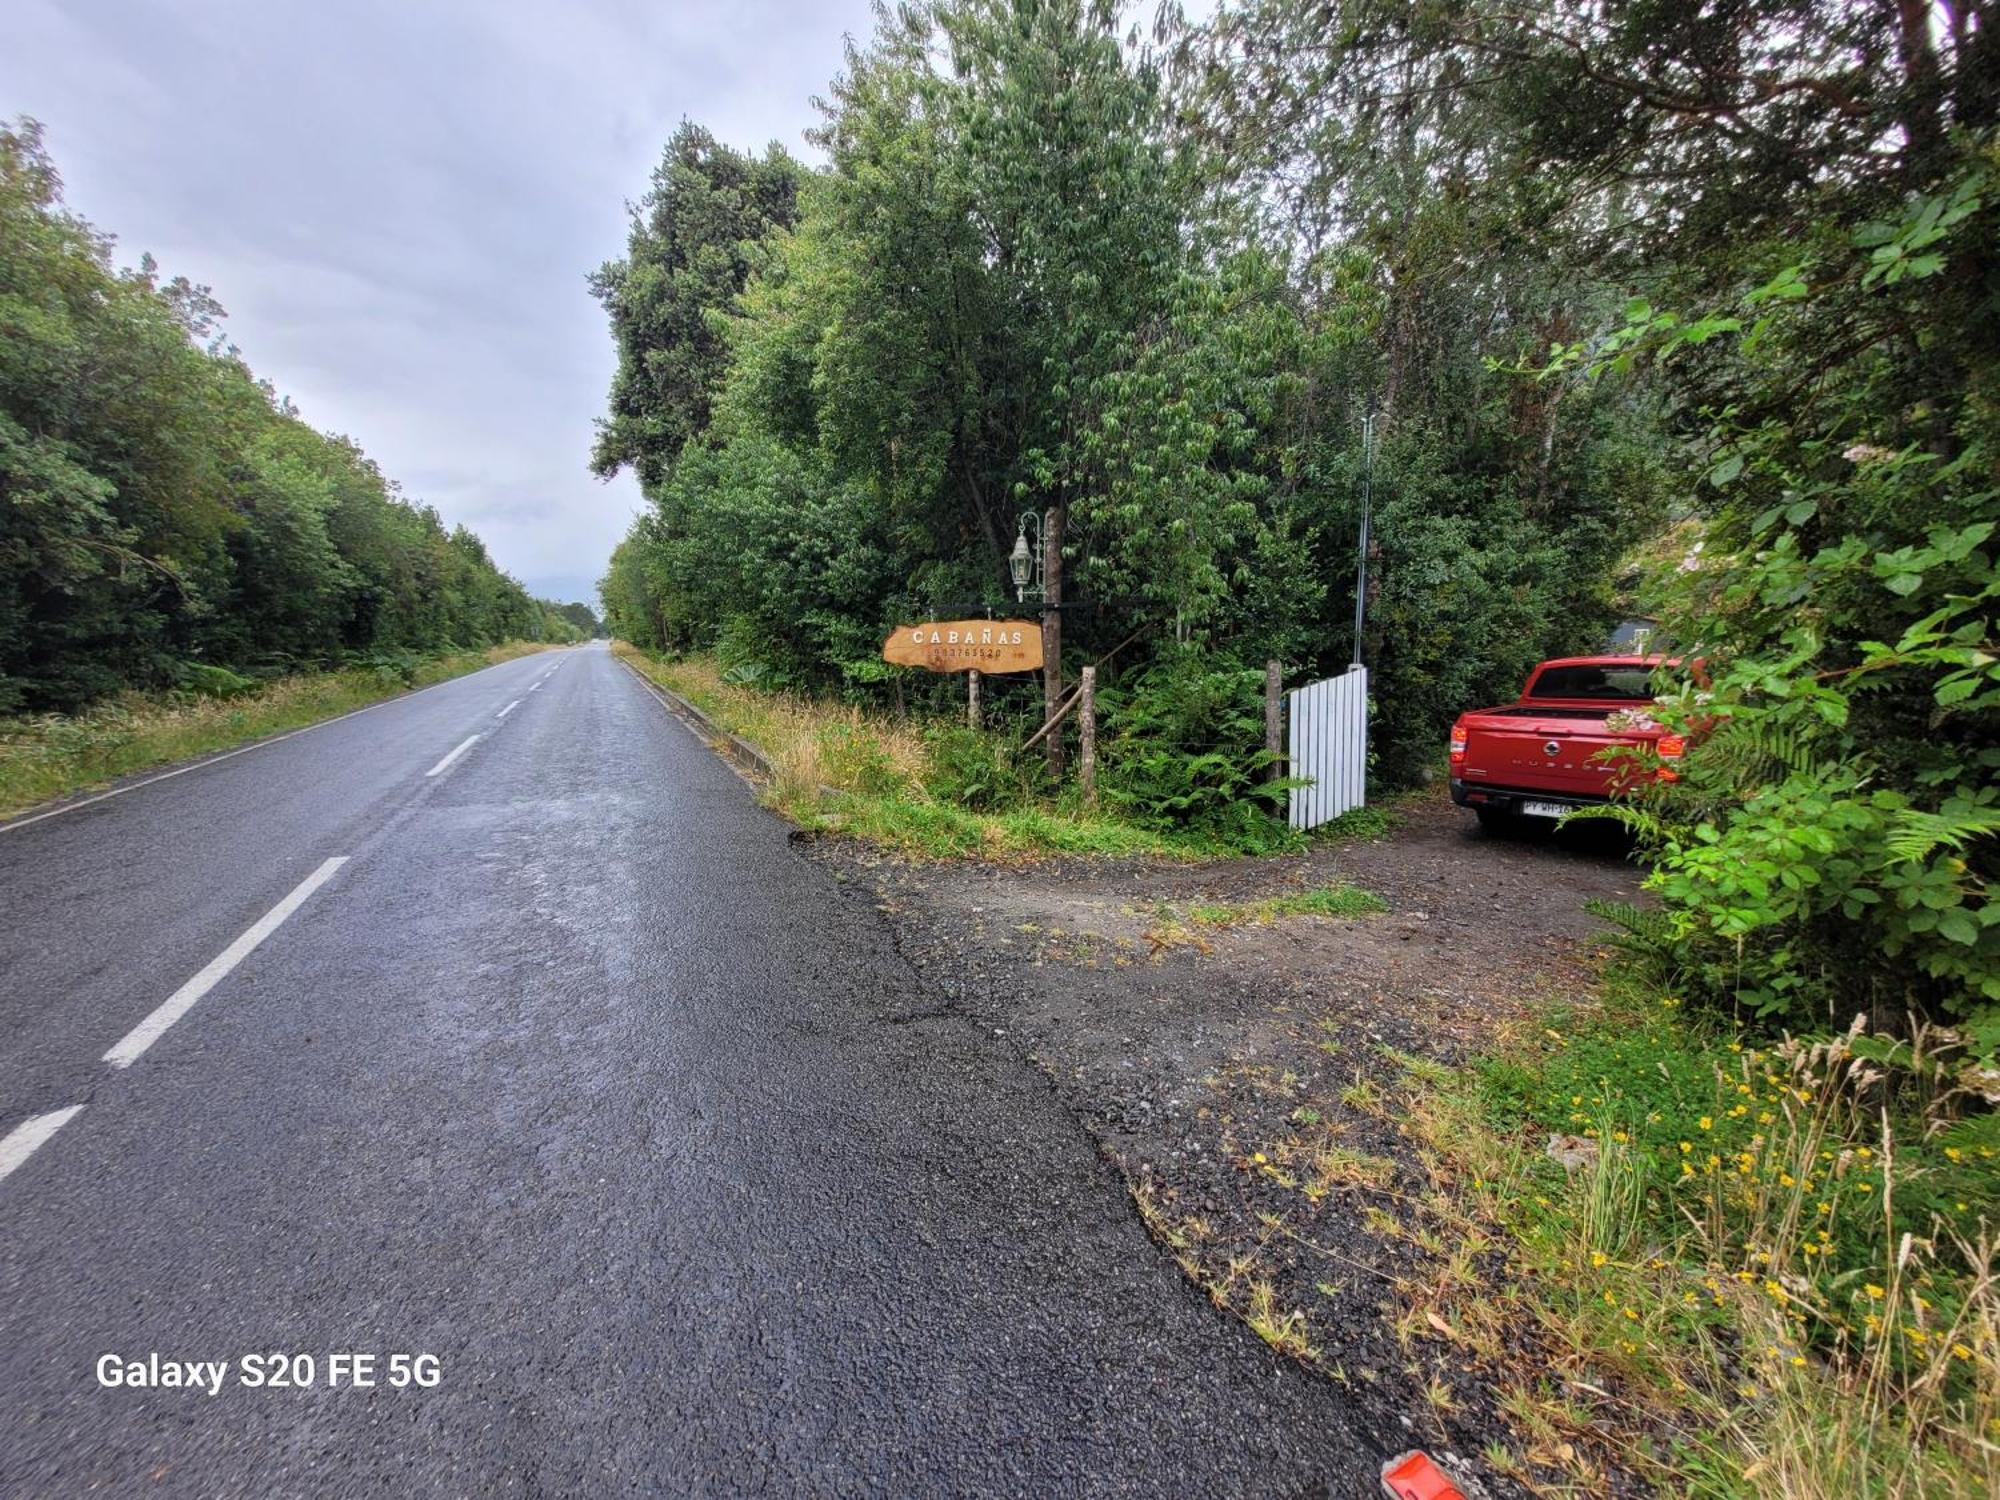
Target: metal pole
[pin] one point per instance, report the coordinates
(1367, 507)
(1052, 678)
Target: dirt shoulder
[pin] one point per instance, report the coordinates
(1236, 1069)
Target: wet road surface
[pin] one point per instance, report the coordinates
(499, 1024)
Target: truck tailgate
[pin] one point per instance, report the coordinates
(1541, 751)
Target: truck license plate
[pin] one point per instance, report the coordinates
(1543, 809)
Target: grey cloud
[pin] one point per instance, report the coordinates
(398, 204)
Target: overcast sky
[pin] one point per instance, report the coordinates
(398, 203)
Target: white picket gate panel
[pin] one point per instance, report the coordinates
(1328, 744)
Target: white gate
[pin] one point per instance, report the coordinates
(1329, 746)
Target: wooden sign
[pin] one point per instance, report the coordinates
(966, 646)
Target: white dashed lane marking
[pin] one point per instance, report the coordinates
(445, 765)
(178, 1004)
(28, 1137)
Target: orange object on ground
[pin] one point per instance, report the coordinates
(1412, 1476)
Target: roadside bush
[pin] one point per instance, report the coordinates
(205, 680)
(1829, 848)
(1185, 749)
(976, 770)
(390, 667)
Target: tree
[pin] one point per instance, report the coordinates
(160, 507)
(687, 257)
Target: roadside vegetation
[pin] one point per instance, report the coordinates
(1033, 275)
(933, 789)
(46, 756)
(168, 523)
(1739, 330)
(1736, 1266)
(1627, 1242)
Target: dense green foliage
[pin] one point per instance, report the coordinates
(1018, 284)
(163, 515)
(1826, 328)
(1830, 847)
(1188, 747)
(581, 617)
(689, 256)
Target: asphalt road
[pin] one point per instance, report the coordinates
(577, 1078)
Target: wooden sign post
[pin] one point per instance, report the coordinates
(986, 646)
(1086, 725)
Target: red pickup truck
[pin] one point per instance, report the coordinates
(1541, 756)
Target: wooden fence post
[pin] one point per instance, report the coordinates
(1274, 730)
(972, 699)
(1086, 727)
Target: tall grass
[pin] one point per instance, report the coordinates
(43, 757)
(1780, 1259)
(839, 768)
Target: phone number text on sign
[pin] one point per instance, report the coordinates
(271, 1372)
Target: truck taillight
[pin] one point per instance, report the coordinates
(1457, 745)
(1670, 748)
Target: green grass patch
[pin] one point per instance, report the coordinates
(53, 755)
(934, 791)
(1321, 901)
(1773, 1263)
(1370, 822)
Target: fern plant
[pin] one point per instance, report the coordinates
(1185, 750)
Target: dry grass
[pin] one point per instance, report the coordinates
(1284, 1330)
(1317, 1161)
(813, 746)
(1184, 926)
(838, 768)
(52, 755)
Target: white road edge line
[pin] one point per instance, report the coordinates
(445, 765)
(210, 760)
(508, 709)
(28, 1137)
(178, 1004)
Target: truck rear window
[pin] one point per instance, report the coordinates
(1612, 684)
